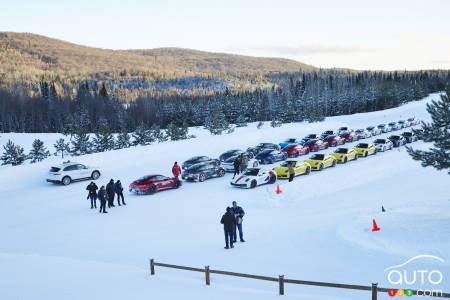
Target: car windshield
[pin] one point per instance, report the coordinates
(380, 141)
(401, 121)
(289, 147)
(394, 137)
(287, 163)
(407, 133)
(311, 136)
(411, 119)
(370, 128)
(195, 158)
(54, 169)
(265, 152)
(381, 126)
(290, 141)
(328, 132)
(251, 172)
(362, 145)
(341, 150)
(359, 130)
(318, 156)
(142, 179)
(343, 128)
(392, 123)
(230, 152)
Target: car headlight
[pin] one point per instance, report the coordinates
(316, 163)
(246, 180)
(342, 156)
(287, 171)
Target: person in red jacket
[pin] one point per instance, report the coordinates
(176, 170)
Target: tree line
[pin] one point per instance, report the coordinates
(296, 97)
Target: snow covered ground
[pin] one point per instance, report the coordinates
(53, 246)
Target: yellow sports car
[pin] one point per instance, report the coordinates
(320, 161)
(344, 154)
(364, 149)
(299, 168)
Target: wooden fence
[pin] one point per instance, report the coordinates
(374, 289)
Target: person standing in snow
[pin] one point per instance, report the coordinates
(110, 193)
(244, 162)
(119, 191)
(228, 222)
(236, 165)
(92, 188)
(291, 171)
(176, 170)
(102, 198)
(238, 213)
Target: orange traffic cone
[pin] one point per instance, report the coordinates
(278, 191)
(375, 227)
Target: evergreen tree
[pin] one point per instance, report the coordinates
(103, 140)
(142, 135)
(13, 154)
(38, 151)
(70, 127)
(436, 132)
(176, 132)
(241, 121)
(157, 134)
(216, 122)
(123, 140)
(259, 125)
(61, 147)
(80, 143)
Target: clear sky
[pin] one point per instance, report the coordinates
(388, 35)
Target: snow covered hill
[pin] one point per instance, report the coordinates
(53, 246)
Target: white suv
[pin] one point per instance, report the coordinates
(68, 172)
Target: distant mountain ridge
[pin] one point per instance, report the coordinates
(30, 56)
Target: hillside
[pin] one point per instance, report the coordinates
(30, 56)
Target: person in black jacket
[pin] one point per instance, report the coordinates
(119, 191)
(228, 222)
(236, 165)
(110, 193)
(102, 198)
(92, 188)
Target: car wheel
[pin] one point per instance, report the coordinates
(272, 179)
(95, 175)
(271, 161)
(253, 184)
(66, 180)
(201, 177)
(356, 156)
(255, 164)
(321, 167)
(375, 152)
(152, 189)
(345, 160)
(334, 163)
(308, 170)
(221, 172)
(307, 151)
(251, 155)
(297, 154)
(176, 184)
(365, 154)
(384, 149)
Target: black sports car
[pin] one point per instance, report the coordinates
(198, 159)
(203, 171)
(235, 152)
(409, 136)
(397, 140)
(263, 146)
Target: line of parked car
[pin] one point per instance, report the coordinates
(201, 168)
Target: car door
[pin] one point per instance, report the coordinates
(71, 171)
(83, 171)
(210, 170)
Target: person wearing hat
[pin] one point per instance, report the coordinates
(110, 191)
(92, 188)
(238, 213)
(102, 198)
(228, 222)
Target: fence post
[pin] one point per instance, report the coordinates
(207, 275)
(374, 291)
(152, 266)
(281, 283)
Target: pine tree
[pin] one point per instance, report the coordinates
(157, 134)
(123, 140)
(241, 121)
(216, 122)
(176, 132)
(436, 132)
(80, 143)
(13, 154)
(260, 125)
(61, 147)
(38, 151)
(70, 127)
(103, 140)
(142, 135)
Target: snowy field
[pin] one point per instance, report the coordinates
(53, 246)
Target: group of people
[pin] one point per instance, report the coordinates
(105, 194)
(232, 221)
(240, 163)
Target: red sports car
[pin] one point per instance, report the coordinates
(151, 184)
(294, 150)
(334, 140)
(349, 136)
(316, 145)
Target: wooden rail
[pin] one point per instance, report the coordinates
(281, 280)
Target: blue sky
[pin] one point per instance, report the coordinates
(360, 34)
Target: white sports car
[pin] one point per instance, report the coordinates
(383, 145)
(68, 172)
(253, 177)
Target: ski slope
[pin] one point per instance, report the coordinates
(53, 246)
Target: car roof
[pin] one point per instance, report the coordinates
(66, 164)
